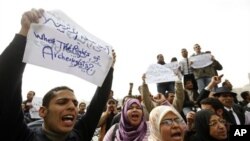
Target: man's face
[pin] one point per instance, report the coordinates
(184, 53)
(226, 99)
(197, 48)
(61, 114)
(82, 107)
(171, 97)
(30, 95)
(189, 85)
(111, 105)
(160, 58)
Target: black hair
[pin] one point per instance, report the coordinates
(185, 82)
(50, 94)
(173, 59)
(225, 82)
(34, 93)
(158, 55)
(244, 94)
(215, 103)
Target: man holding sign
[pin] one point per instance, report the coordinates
(167, 85)
(204, 67)
(59, 105)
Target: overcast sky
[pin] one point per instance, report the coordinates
(138, 30)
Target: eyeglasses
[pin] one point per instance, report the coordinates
(215, 122)
(170, 122)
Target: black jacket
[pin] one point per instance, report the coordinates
(239, 112)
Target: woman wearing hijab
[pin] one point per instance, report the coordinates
(132, 125)
(209, 127)
(166, 124)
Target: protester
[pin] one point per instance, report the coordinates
(233, 113)
(28, 102)
(59, 106)
(107, 117)
(209, 127)
(159, 99)
(203, 75)
(186, 69)
(81, 109)
(132, 126)
(245, 95)
(117, 117)
(209, 103)
(164, 86)
(166, 124)
(190, 100)
(27, 105)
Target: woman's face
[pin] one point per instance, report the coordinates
(172, 128)
(135, 114)
(217, 127)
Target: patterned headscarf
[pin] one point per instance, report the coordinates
(155, 118)
(126, 131)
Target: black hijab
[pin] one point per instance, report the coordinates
(202, 128)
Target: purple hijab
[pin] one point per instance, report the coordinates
(127, 132)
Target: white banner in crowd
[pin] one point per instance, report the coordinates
(157, 73)
(173, 65)
(201, 61)
(60, 44)
(36, 104)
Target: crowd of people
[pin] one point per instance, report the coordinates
(193, 108)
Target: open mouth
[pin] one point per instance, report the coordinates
(176, 135)
(68, 120)
(68, 117)
(135, 116)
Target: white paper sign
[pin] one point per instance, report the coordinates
(201, 61)
(173, 65)
(157, 73)
(36, 104)
(60, 44)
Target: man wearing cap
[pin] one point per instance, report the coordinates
(232, 113)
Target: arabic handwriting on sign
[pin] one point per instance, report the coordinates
(91, 44)
(73, 34)
(63, 28)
